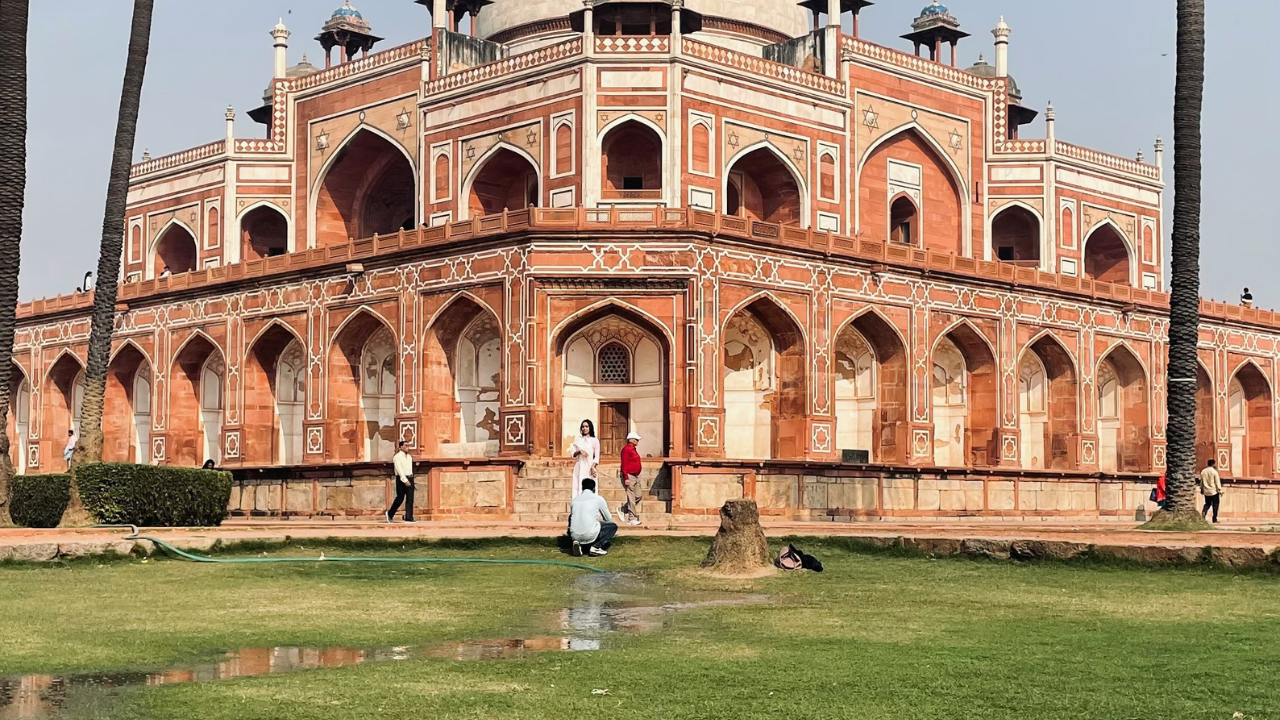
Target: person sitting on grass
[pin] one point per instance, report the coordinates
(585, 527)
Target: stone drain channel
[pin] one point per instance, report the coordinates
(606, 605)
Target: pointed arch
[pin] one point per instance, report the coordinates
(63, 401)
(1251, 421)
(773, 301)
(765, 380)
(368, 164)
(1124, 415)
(256, 242)
(632, 117)
(632, 159)
(274, 323)
(1053, 433)
(125, 344)
(362, 390)
(1022, 240)
(128, 403)
(194, 429)
(580, 391)
(778, 216)
(272, 423)
(965, 399)
(870, 199)
(179, 253)
(18, 413)
(533, 189)
(463, 353)
(889, 418)
(1206, 415)
(1112, 257)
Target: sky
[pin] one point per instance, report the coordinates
(1107, 67)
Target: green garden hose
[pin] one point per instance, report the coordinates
(134, 535)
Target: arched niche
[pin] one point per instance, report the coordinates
(363, 388)
(1015, 236)
(762, 187)
(176, 251)
(1106, 256)
(462, 383)
(275, 382)
(368, 188)
(1124, 418)
(264, 232)
(764, 383)
(505, 180)
(1250, 422)
(196, 404)
(964, 397)
(1048, 407)
(631, 159)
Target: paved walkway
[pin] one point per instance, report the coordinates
(1253, 541)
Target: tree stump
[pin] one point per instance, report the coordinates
(739, 546)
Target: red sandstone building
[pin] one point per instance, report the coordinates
(726, 224)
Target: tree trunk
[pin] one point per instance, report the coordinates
(89, 448)
(739, 547)
(1184, 303)
(13, 184)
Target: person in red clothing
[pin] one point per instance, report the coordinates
(1162, 496)
(631, 468)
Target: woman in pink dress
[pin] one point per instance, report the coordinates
(586, 453)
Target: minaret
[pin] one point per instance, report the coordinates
(281, 35)
(231, 128)
(1002, 33)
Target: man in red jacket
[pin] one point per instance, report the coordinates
(631, 468)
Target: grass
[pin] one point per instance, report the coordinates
(877, 636)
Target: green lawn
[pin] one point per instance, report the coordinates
(874, 637)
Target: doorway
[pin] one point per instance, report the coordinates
(615, 424)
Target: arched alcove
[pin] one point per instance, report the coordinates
(264, 232)
(1124, 419)
(631, 159)
(505, 181)
(964, 395)
(369, 188)
(275, 382)
(176, 251)
(764, 380)
(1015, 236)
(1250, 422)
(762, 187)
(1106, 256)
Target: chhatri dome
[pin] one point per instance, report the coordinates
(347, 15)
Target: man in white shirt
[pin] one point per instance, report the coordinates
(402, 465)
(585, 527)
(70, 449)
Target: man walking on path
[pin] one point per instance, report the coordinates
(631, 468)
(585, 528)
(1211, 486)
(402, 464)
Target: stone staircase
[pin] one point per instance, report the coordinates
(544, 489)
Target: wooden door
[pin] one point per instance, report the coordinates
(615, 424)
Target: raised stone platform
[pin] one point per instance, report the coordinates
(1239, 545)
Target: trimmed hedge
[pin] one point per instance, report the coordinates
(154, 495)
(38, 501)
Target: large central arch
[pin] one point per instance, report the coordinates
(612, 368)
(368, 187)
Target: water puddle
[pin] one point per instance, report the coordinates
(607, 605)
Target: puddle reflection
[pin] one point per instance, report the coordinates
(609, 605)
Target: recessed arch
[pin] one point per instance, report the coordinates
(756, 204)
(264, 231)
(1017, 235)
(504, 191)
(904, 220)
(958, 192)
(175, 247)
(128, 405)
(1250, 422)
(463, 353)
(196, 335)
(1206, 415)
(772, 301)
(578, 390)
(63, 402)
(124, 345)
(1123, 408)
(1049, 414)
(18, 414)
(1108, 254)
(362, 390)
(367, 186)
(964, 393)
(196, 402)
(596, 310)
(765, 381)
(881, 416)
(274, 393)
(631, 159)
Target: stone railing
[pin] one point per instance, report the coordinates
(645, 220)
(633, 44)
(167, 162)
(858, 48)
(506, 66)
(762, 67)
(355, 67)
(1112, 162)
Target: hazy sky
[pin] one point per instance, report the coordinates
(1106, 65)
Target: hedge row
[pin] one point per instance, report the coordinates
(38, 501)
(154, 495)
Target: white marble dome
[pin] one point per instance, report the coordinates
(784, 16)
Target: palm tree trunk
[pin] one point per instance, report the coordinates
(108, 277)
(13, 185)
(1184, 304)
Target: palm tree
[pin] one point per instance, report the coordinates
(1184, 303)
(13, 184)
(108, 278)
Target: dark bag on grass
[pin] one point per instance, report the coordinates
(792, 558)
